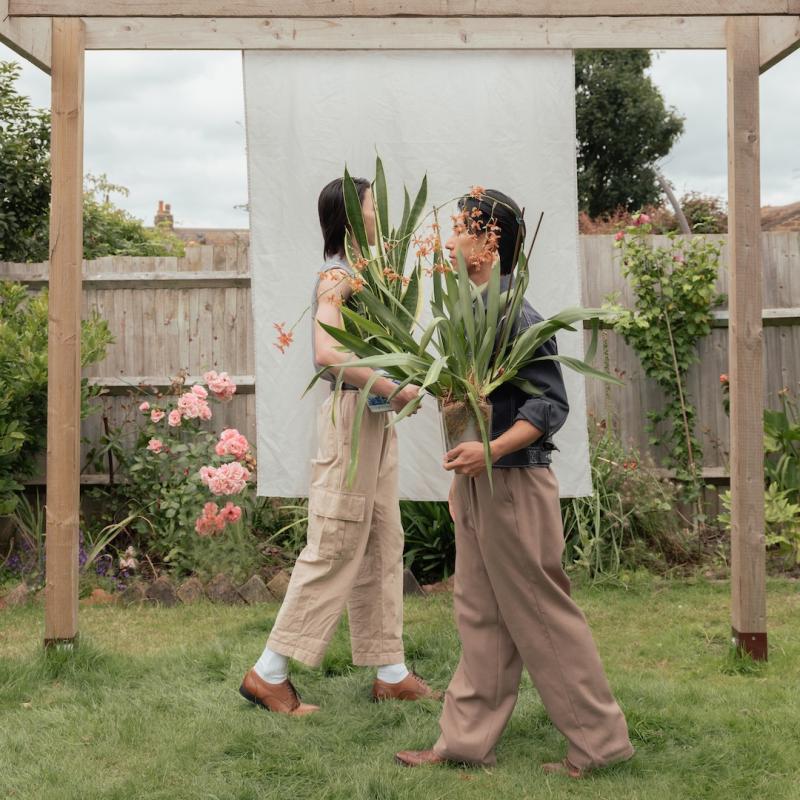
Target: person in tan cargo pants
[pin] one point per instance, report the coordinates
(354, 551)
(512, 597)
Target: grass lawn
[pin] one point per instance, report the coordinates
(147, 707)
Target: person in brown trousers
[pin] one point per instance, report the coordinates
(512, 598)
(354, 552)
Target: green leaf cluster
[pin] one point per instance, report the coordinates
(23, 382)
(470, 347)
(674, 288)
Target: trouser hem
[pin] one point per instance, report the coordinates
(311, 658)
(616, 758)
(379, 659)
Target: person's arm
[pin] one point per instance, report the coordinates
(334, 289)
(539, 416)
(547, 411)
(468, 458)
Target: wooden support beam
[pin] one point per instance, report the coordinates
(64, 334)
(29, 38)
(779, 37)
(398, 8)
(745, 342)
(408, 33)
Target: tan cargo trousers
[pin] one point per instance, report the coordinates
(513, 608)
(354, 551)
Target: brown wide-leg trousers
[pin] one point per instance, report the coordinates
(513, 608)
(354, 550)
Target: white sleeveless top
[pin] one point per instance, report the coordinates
(331, 262)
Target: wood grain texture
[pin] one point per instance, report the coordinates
(778, 38)
(381, 8)
(29, 38)
(745, 335)
(64, 333)
(405, 33)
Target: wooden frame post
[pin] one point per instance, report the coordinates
(745, 341)
(64, 332)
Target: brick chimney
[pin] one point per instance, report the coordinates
(164, 215)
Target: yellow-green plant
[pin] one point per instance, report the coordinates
(466, 352)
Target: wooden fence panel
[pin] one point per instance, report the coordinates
(164, 322)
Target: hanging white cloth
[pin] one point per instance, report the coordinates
(503, 120)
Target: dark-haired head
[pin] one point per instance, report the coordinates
(333, 216)
(502, 215)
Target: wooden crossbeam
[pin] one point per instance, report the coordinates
(779, 37)
(381, 8)
(406, 33)
(30, 38)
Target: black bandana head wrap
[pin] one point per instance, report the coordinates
(504, 213)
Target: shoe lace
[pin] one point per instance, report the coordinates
(294, 691)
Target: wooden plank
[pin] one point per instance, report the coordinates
(779, 37)
(380, 8)
(206, 279)
(407, 33)
(64, 333)
(29, 38)
(114, 385)
(769, 316)
(745, 338)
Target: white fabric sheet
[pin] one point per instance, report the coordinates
(500, 120)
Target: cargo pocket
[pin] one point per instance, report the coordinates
(335, 522)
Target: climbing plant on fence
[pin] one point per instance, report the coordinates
(675, 294)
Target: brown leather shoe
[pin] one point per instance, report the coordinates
(564, 767)
(279, 697)
(418, 758)
(412, 687)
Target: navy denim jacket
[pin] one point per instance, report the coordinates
(547, 411)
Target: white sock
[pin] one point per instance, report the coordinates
(272, 667)
(392, 673)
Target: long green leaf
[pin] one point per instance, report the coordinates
(355, 438)
(583, 368)
(355, 214)
(381, 196)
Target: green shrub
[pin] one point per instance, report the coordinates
(781, 520)
(630, 521)
(23, 382)
(430, 551)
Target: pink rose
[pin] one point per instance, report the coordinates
(155, 445)
(191, 406)
(156, 415)
(620, 236)
(205, 526)
(174, 418)
(231, 512)
(144, 407)
(198, 390)
(232, 443)
(220, 385)
(227, 479)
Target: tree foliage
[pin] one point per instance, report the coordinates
(623, 128)
(25, 192)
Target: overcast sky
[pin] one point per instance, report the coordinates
(170, 126)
